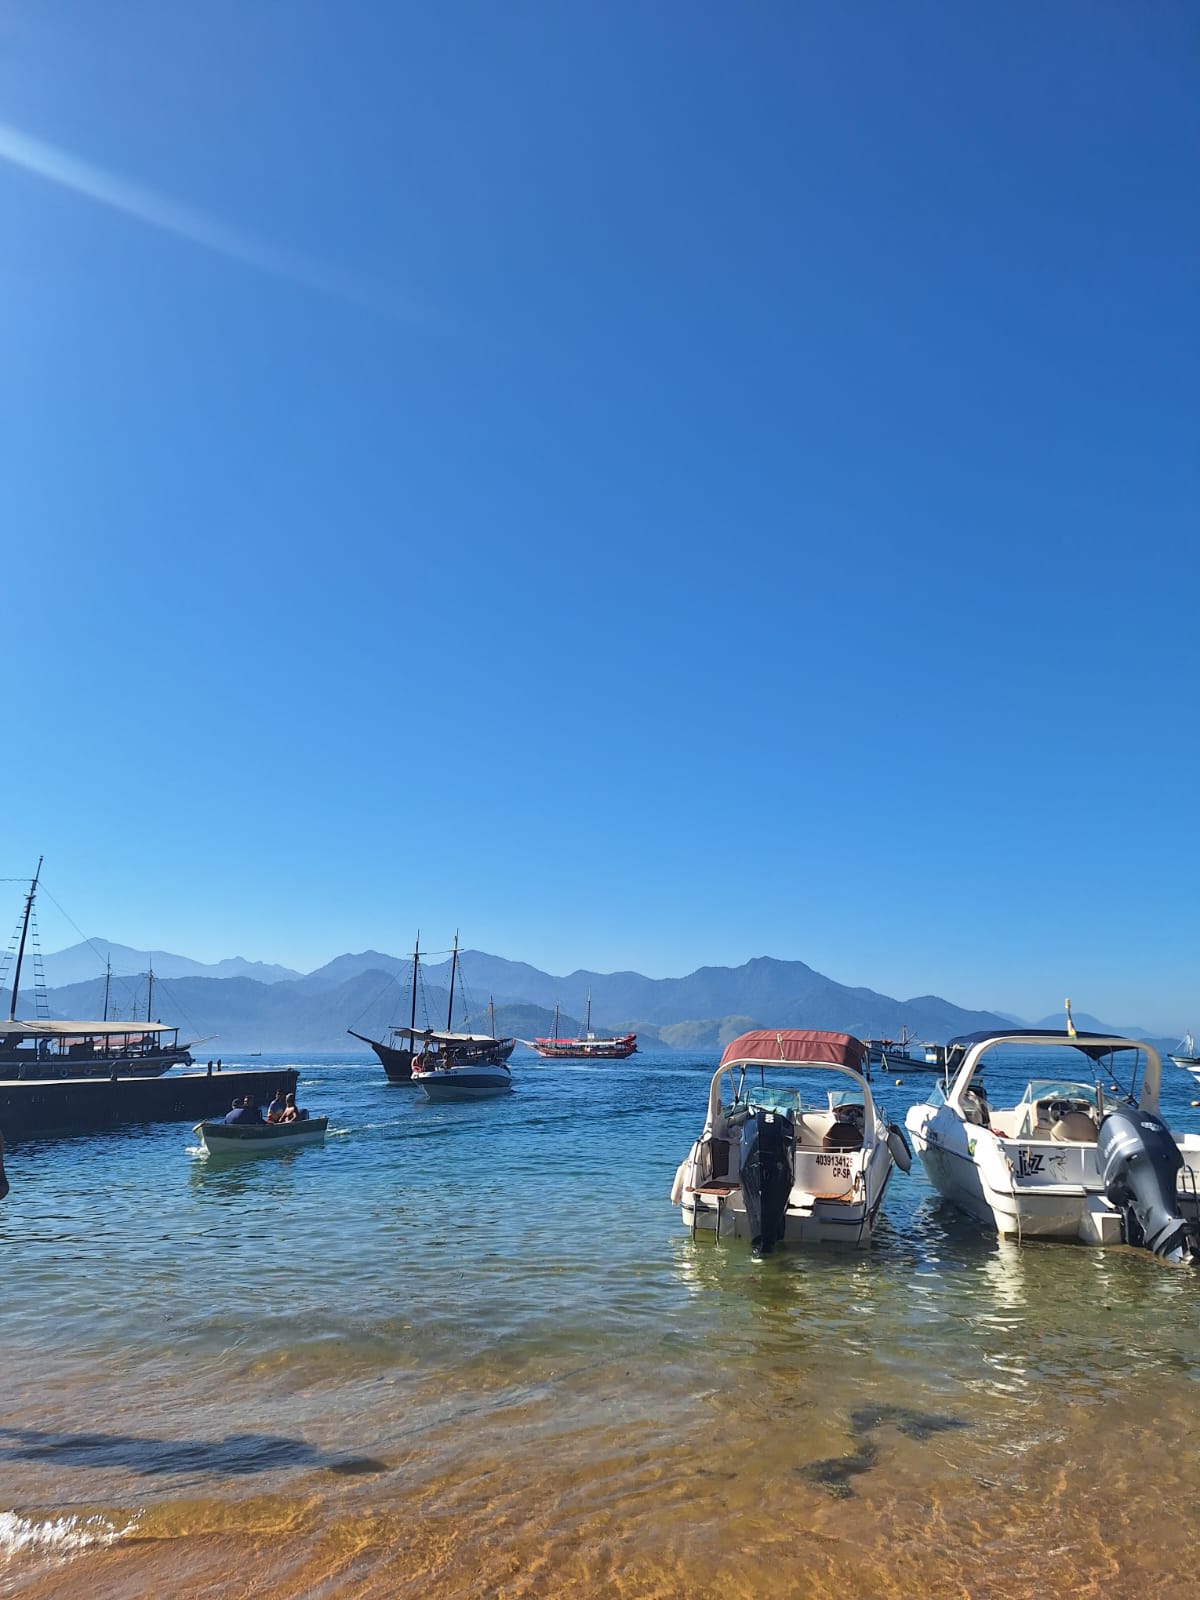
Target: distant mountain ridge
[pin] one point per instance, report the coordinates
(251, 1006)
(80, 962)
(246, 1005)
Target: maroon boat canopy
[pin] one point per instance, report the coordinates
(797, 1044)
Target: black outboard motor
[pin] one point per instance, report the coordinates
(768, 1146)
(1139, 1162)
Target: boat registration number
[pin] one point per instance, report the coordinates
(841, 1167)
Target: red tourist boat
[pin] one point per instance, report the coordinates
(588, 1047)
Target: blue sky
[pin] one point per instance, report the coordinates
(647, 485)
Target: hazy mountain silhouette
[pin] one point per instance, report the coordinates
(370, 991)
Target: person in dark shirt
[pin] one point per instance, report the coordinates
(244, 1111)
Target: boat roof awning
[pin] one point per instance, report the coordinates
(1094, 1045)
(440, 1036)
(74, 1030)
(807, 1045)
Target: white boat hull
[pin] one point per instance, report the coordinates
(1031, 1188)
(464, 1083)
(809, 1219)
(251, 1139)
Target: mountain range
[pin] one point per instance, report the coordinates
(245, 1006)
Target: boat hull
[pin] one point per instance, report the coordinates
(844, 1210)
(398, 1062)
(17, 1068)
(808, 1220)
(585, 1050)
(901, 1061)
(395, 1062)
(1031, 1188)
(254, 1139)
(465, 1083)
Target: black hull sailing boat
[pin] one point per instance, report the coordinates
(41, 1049)
(433, 1046)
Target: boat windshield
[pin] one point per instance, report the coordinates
(1066, 1090)
(800, 1087)
(843, 1097)
(758, 1098)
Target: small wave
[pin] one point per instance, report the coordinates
(54, 1536)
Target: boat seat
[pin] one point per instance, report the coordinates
(843, 1136)
(1075, 1128)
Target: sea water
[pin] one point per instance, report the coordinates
(470, 1350)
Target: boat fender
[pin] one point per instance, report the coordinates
(680, 1178)
(899, 1146)
(3, 1176)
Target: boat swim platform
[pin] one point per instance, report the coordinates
(33, 1108)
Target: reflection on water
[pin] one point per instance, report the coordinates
(470, 1349)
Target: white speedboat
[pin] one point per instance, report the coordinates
(1066, 1161)
(794, 1149)
(445, 1078)
(255, 1138)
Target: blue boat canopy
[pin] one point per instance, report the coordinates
(1094, 1045)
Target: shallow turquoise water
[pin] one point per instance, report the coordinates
(500, 1294)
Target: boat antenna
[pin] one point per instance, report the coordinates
(107, 982)
(412, 1017)
(453, 971)
(12, 1010)
(150, 994)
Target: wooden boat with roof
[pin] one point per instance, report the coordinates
(435, 1046)
(898, 1055)
(42, 1048)
(794, 1149)
(587, 1047)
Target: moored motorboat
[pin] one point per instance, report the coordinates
(255, 1138)
(804, 1159)
(1067, 1161)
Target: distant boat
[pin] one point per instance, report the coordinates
(896, 1054)
(40, 1048)
(588, 1047)
(1184, 1055)
(440, 1046)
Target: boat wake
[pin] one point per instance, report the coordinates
(55, 1536)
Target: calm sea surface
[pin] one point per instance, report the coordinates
(469, 1350)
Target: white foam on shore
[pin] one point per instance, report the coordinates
(55, 1536)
